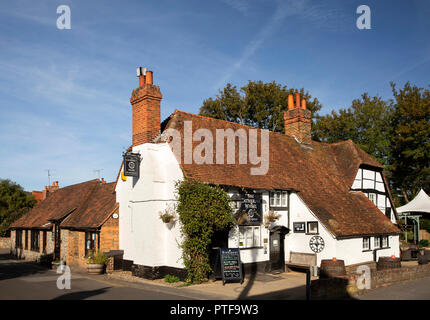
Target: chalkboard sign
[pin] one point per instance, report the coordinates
(231, 266)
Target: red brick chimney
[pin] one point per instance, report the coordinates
(297, 120)
(145, 102)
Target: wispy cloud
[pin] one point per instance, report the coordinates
(319, 15)
(240, 5)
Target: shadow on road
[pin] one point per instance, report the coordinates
(10, 268)
(296, 293)
(82, 294)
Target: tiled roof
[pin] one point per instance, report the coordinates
(74, 199)
(322, 174)
(95, 210)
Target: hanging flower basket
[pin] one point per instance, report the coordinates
(271, 217)
(168, 215)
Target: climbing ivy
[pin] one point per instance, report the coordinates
(203, 210)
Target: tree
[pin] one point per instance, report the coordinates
(410, 142)
(366, 122)
(257, 104)
(14, 202)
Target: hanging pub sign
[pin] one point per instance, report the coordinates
(249, 210)
(131, 164)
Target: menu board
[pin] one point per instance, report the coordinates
(231, 266)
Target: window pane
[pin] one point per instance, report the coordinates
(385, 241)
(242, 232)
(248, 237)
(366, 243)
(256, 237)
(284, 199)
(278, 199)
(377, 242)
(272, 200)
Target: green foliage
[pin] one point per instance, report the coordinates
(366, 122)
(171, 278)
(97, 257)
(46, 260)
(424, 243)
(425, 224)
(257, 104)
(203, 210)
(14, 203)
(410, 141)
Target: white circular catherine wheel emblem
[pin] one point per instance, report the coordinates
(115, 216)
(131, 165)
(316, 244)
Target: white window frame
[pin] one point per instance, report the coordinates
(386, 245)
(251, 238)
(366, 239)
(372, 197)
(377, 242)
(278, 199)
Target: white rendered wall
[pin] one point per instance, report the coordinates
(145, 239)
(299, 242)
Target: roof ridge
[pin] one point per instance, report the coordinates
(234, 123)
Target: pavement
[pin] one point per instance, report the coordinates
(23, 280)
(411, 290)
(268, 286)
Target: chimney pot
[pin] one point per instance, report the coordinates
(297, 100)
(141, 80)
(149, 77)
(290, 102)
(303, 104)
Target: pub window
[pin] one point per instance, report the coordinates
(313, 227)
(44, 242)
(384, 241)
(35, 240)
(366, 243)
(249, 236)
(26, 240)
(18, 239)
(278, 199)
(377, 242)
(90, 242)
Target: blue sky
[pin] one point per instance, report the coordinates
(64, 94)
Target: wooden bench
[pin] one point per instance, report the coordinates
(301, 260)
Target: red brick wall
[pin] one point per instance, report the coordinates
(109, 240)
(109, 235)
(5, 243)
(342, 287)
(76, 249)
(145, 102)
